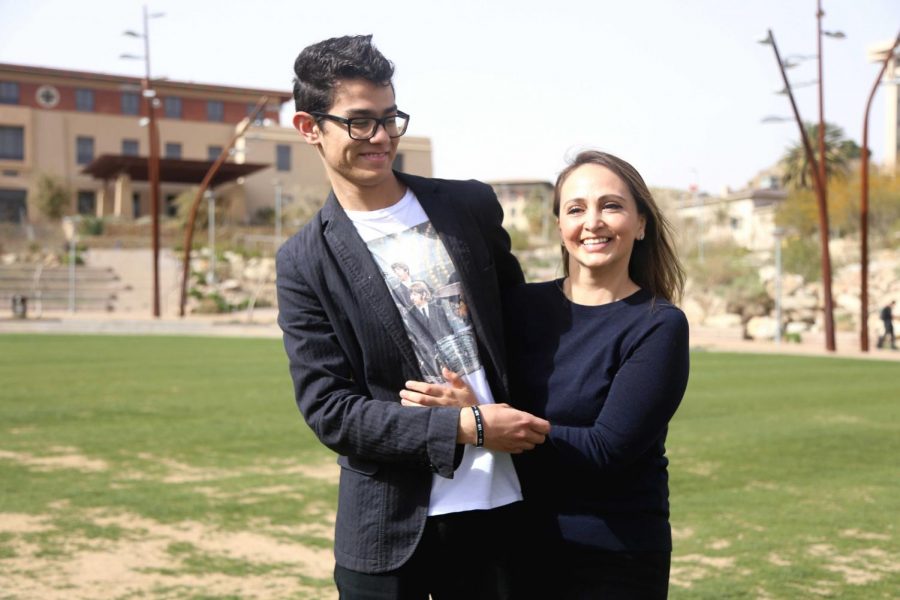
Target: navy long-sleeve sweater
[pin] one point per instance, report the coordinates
(608, 378)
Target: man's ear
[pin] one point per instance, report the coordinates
(306, 124)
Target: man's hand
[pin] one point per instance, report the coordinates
(457, 393)
(505, 428)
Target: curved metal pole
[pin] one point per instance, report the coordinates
(820, 200)
(207, 179)
(864, 209)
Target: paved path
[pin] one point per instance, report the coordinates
(262, 324)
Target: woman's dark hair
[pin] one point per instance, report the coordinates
(319, 66)
(654, 266)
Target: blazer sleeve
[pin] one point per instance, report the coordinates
(342, 415)
(643, 397)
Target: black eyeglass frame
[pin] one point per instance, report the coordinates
(381, 122)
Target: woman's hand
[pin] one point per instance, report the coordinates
(419, 393)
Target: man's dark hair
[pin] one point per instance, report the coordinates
(319, 66)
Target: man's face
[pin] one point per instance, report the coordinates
(361, 164)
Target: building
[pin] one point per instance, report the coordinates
(745, 217)
(891, 85)
(527, 204)
(85, 130)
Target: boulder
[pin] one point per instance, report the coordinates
(761, 328)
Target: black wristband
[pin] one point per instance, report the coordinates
(479, 427)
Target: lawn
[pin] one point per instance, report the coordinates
(157, 467)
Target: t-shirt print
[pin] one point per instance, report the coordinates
(426, 289)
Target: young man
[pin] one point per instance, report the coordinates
(422, 508)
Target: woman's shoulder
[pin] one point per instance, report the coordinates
(530, 292)
(659, 313)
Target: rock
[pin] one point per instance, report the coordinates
(723, 321)
(761, 328)
(793, 327)
(230, 285)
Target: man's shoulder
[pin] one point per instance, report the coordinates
(467, 188)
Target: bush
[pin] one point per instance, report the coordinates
(91, 226)
(801, 256)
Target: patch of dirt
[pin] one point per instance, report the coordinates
(777, 560)
(858, 567)
(693, 567)
(856, 534)
(682, 533)
(61, 457)
(22, 523)
(140, 562)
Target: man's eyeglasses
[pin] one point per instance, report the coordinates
(364, 128)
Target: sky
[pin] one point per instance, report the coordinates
(511, 89)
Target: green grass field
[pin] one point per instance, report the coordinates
(161, 467)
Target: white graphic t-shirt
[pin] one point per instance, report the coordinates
(425, 287)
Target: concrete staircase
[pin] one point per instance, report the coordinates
(47, 289)
(134, 266)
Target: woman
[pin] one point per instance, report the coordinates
(603, 355)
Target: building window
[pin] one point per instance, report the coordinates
(9, 92)
(173, 150)
(12, 142)
(87, 202)
(259, 117)
(283, 157)
(84, 100)
(84, 149)
(215, 110)
(213, 152)
(13, 207)
(131, 103)
(172, 107)
(398, 162)
(171, 205)
(130, 147)
(135, 205)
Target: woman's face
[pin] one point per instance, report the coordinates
(598, 221)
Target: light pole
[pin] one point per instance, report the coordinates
(864, 208)
(819, 184)
(70, 230)
(698, 204)
(278, 200)
(149, 95)
(211, 233)
(778, 234)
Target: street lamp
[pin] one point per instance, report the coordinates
(778, 235)
(818, 172)
(70, 230)
(278, 201)
(864, 207)
(211, 235)
(149, 95)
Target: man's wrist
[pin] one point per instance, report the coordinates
(465, 431)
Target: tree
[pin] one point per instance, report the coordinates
(839, 152)
(798, 213)
(52, 197)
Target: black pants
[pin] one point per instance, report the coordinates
(586, 574)
(462, 556)
(888, 335)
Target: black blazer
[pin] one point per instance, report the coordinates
(350, 355)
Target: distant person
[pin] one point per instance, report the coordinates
(429, 501)
(602, 354)
(887, 320)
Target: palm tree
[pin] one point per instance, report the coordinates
(839, 152)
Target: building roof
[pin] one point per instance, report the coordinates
(109, 166)
(26, 70)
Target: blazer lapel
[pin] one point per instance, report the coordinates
(355, 260)
(456, 229)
